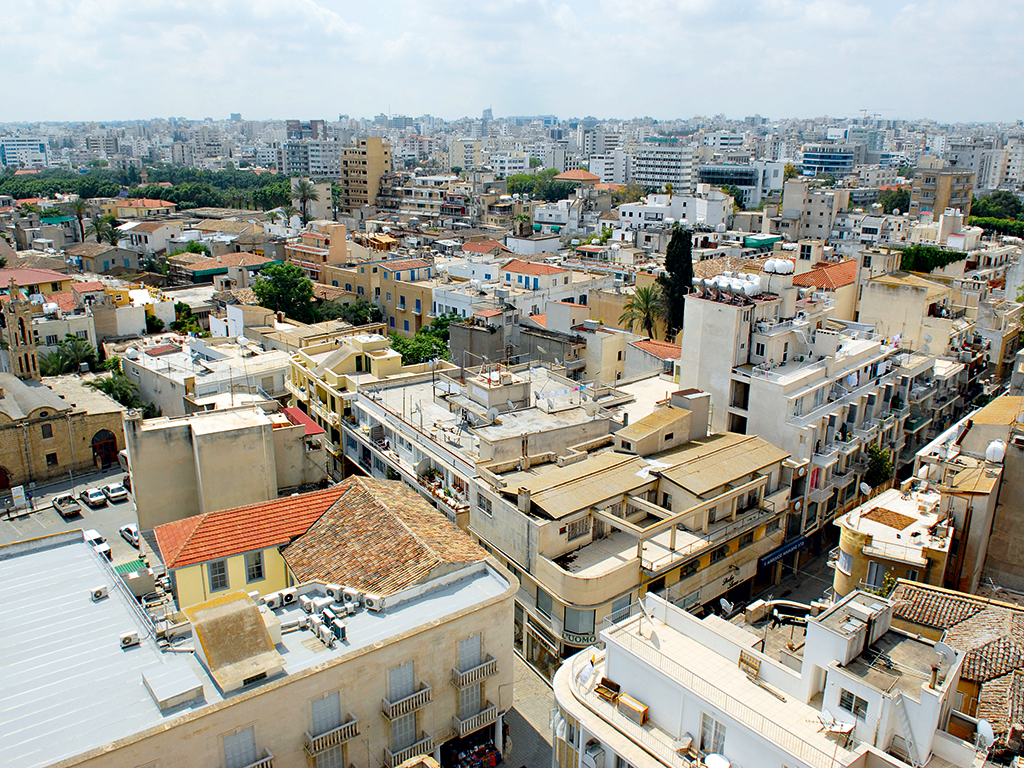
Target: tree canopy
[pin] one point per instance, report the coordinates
(894, 200)
(1001, 204)
(644, 308)
(71, 352)
(429, 342)
(359, 312)
(285, 288)
(679, 280)
(928, 258)
(541, 185)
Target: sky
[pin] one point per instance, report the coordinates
(277, 59)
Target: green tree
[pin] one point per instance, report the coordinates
(679, 280)
(522, 222)
(790, 172)
(894, 200)
(879, 466)
(53, 363)
(735, 193)
(112, 235)
(154, 324)
(457, 170)
(361, 312)
(535, 162)
(630, 193)
(1001, 204)
(185, 321)
(99, 227)
(194, 246)
(305, 193)
(285, 288)
(644, 308)
(123, 390)
(78, 208)
(71, 352)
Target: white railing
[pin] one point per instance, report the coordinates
(393, 709)
(476, 674)
(715, 535)
(332, 738)
(481, 719)
(422, 747)
(267, 761)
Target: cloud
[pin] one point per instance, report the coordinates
(121, 59)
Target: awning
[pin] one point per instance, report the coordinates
(297, 417)
(781, 552)
(537, 227)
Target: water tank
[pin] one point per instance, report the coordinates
(720, 228)
(995, 452)
(51, 308)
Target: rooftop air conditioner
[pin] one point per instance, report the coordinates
(128, 639)
(351, 595)
(373, 602)
(335, 591)
(272, 600)
(288, 595)
(97, 593)
(306, 602)
(327, 637)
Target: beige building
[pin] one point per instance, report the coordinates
(322, 243)
(362, 166)
(234, 682)
(212, 460)
(402, 288)
(936, 188)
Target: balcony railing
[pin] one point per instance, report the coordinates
(334, 737)
(481, 719)
(267, 761)
(821, 494)
(393, 709)
(422, 747)
(300, 393)
(475, 675)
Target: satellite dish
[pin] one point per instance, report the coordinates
(726, 605)
(986, 736)
(865, 488)
(242, 341)
(492, 414)
(926, 349)
(557, 361)
(551, 404)
(947, 652)
(511, 405)
(927, 338)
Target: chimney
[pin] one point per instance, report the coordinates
(524, 499)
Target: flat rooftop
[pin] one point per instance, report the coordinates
(900, 524)
(69, 687)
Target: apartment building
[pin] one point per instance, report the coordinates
(402, 288)
(775, 364)
(657, 162)
(24, 152)
(757, 180)
(240, 682)
(362, 166)
(316, 158)
(836, 160)
(936, 188)
(467, 154)
(709, 206)
(149, 237)
(323, 243)
(808, 211)
(322, 208)
(590, 513)
(843, 686)
(614, 167)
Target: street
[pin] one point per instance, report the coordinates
(44, 520)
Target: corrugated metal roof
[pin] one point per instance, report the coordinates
(652, 422)
(708, 464)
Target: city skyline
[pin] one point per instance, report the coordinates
(668, 60)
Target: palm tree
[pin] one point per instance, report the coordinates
(273, 216)
(304, 192)
(646, 306)
(288, 212)
(77, 208)
(98, 227)
(522, 221)
(117, 387)
(53, 363)
(113, 235)
(77, 351)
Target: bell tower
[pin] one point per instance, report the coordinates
(17, 332)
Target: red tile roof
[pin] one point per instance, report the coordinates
(145, 202)
(829, 277)
(484, 246)
(296, 416)
(578, 175)
(214, 535)
(400, 264)
(541, 319)
(242, 259)
(663, 349)
(532, 268)
(29, 276)
(66, 301)
(89, 287)
(488, 313)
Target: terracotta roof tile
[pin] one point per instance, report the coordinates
(991, 660)
(242, 259)
(29, 276)
(380, 536)
(485, 246)
(933, 609)
(214, 535)
(541, 319)
(577, 175)
(89, 287)
(829, 277)
(663, 349)
(532, 268)
(400, 264)
(66, 301)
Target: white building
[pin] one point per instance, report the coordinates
(708, 206)
(24, 151)
(658, 162)
(506, 163)
(614, 167)
(842, 688)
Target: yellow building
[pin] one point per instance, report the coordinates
(32, 281)
(402, 288)
(136, 208)
(903, 535)
(362, 166)
(322, 244)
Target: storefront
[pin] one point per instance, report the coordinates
(481, 749)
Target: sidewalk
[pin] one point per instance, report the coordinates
(529, 719)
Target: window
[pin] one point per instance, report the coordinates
(47, 430)
(402, 681)
(626, 445)
(254, 567)
(82, 334)
(620, 604)
(666, 501)
(875, 574)
(746, 539)
(577, 529)
(51, 340)
(544, 602)
(469, 700)
(483, 503)
(912, 574)
(712, 735)
(389, 295)
(579, 622)
(51, 459)
(759, 349)
(326, 713)
(719, 554)
(359, 290)
(845, 562)
(470, 653)
(240, 748)
(853, 704)
(403, 732)
(407, 325)
(218, 573)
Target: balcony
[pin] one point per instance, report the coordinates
(418, 700)
(267, 761)
(821, 495)
(482, 719)
(475, 675)
(826, 456)
(332, 738)
(299, 392)
(424, 746)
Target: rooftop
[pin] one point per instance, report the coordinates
(532, 268)
(829, 277)
(25, 399)
(29, 276)
(900, 525)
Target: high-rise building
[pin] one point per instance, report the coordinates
(24, 152)
(658, 162)
(362, 166)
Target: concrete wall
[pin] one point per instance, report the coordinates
(1005, 559)
(192, 585)
(235, 467)
(164, 481)
(295, 464)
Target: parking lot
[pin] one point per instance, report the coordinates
(43, 519)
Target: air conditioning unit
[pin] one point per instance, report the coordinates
(97, 593)
(306, 602)
(351, 595)
(329, 615)
(350, 608)
(272, 600)
(373, 602)
(338, 628)
(319, 603)
(255, 595)
(288, 595)
(335, 591)
(326, 636)
(315, 622)
(128, 639)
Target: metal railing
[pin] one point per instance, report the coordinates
(422, 747)
(481, 719)
(476, 674)
(332, 738)
(716, 697)
(714, 536)
(412, 702)
(267, 761)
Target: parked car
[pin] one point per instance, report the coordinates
(99, 544)
(66, 505)
(94, 497)
(130, 533)
(115, 492)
